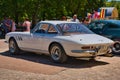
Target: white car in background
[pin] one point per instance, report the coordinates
(59, 39)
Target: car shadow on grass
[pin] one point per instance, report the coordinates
(43, 59)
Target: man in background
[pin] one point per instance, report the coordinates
(27, 24)
(7, 24)
(74, 19)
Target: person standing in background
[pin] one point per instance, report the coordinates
(7, 24)
(13, 26)
(74, 19)
(27, 24)
(64, 18)
(96, 14)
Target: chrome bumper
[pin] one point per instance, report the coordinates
(83, 51)
(88, 53)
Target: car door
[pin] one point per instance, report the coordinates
(38, 36)
(49, 37)
(33, 42)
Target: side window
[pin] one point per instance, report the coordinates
(42, 28)
(52, 30)
(92, 25)
(99, 25)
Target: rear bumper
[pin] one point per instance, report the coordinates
(89, 53)
(83, 51)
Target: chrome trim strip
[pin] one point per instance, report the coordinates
(83, 51)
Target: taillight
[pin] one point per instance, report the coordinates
(86, 47)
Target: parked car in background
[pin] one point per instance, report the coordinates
(59, 39)
(109, 29)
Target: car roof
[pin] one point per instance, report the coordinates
(56, 22)
(109, 21)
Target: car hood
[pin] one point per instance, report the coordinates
(86, 39)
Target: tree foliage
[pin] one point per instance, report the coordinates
(47, 9)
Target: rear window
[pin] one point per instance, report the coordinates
(74, 27)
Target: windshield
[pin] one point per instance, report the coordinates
(74, 28)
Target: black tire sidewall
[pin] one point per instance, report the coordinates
(17, 50)
(2, 33)
(63, 56)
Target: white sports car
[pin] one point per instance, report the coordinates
(59, 39)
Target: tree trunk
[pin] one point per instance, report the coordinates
(16, 18)
(34, 21)
(34, 16)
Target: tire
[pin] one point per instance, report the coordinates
(116, 48)
(13, 47)
(58, 54)
(2, 33)
(115, 52)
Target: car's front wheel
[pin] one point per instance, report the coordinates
(58, 54)
(13, 47)
(2, 33)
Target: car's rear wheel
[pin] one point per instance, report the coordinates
(13, 47)
(116, 48)
(58, 54)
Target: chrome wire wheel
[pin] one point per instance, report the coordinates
(116, 48)
(13, 47)
(57, 53)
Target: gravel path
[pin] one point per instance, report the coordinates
(36, 67)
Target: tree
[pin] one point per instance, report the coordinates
(46, 9)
